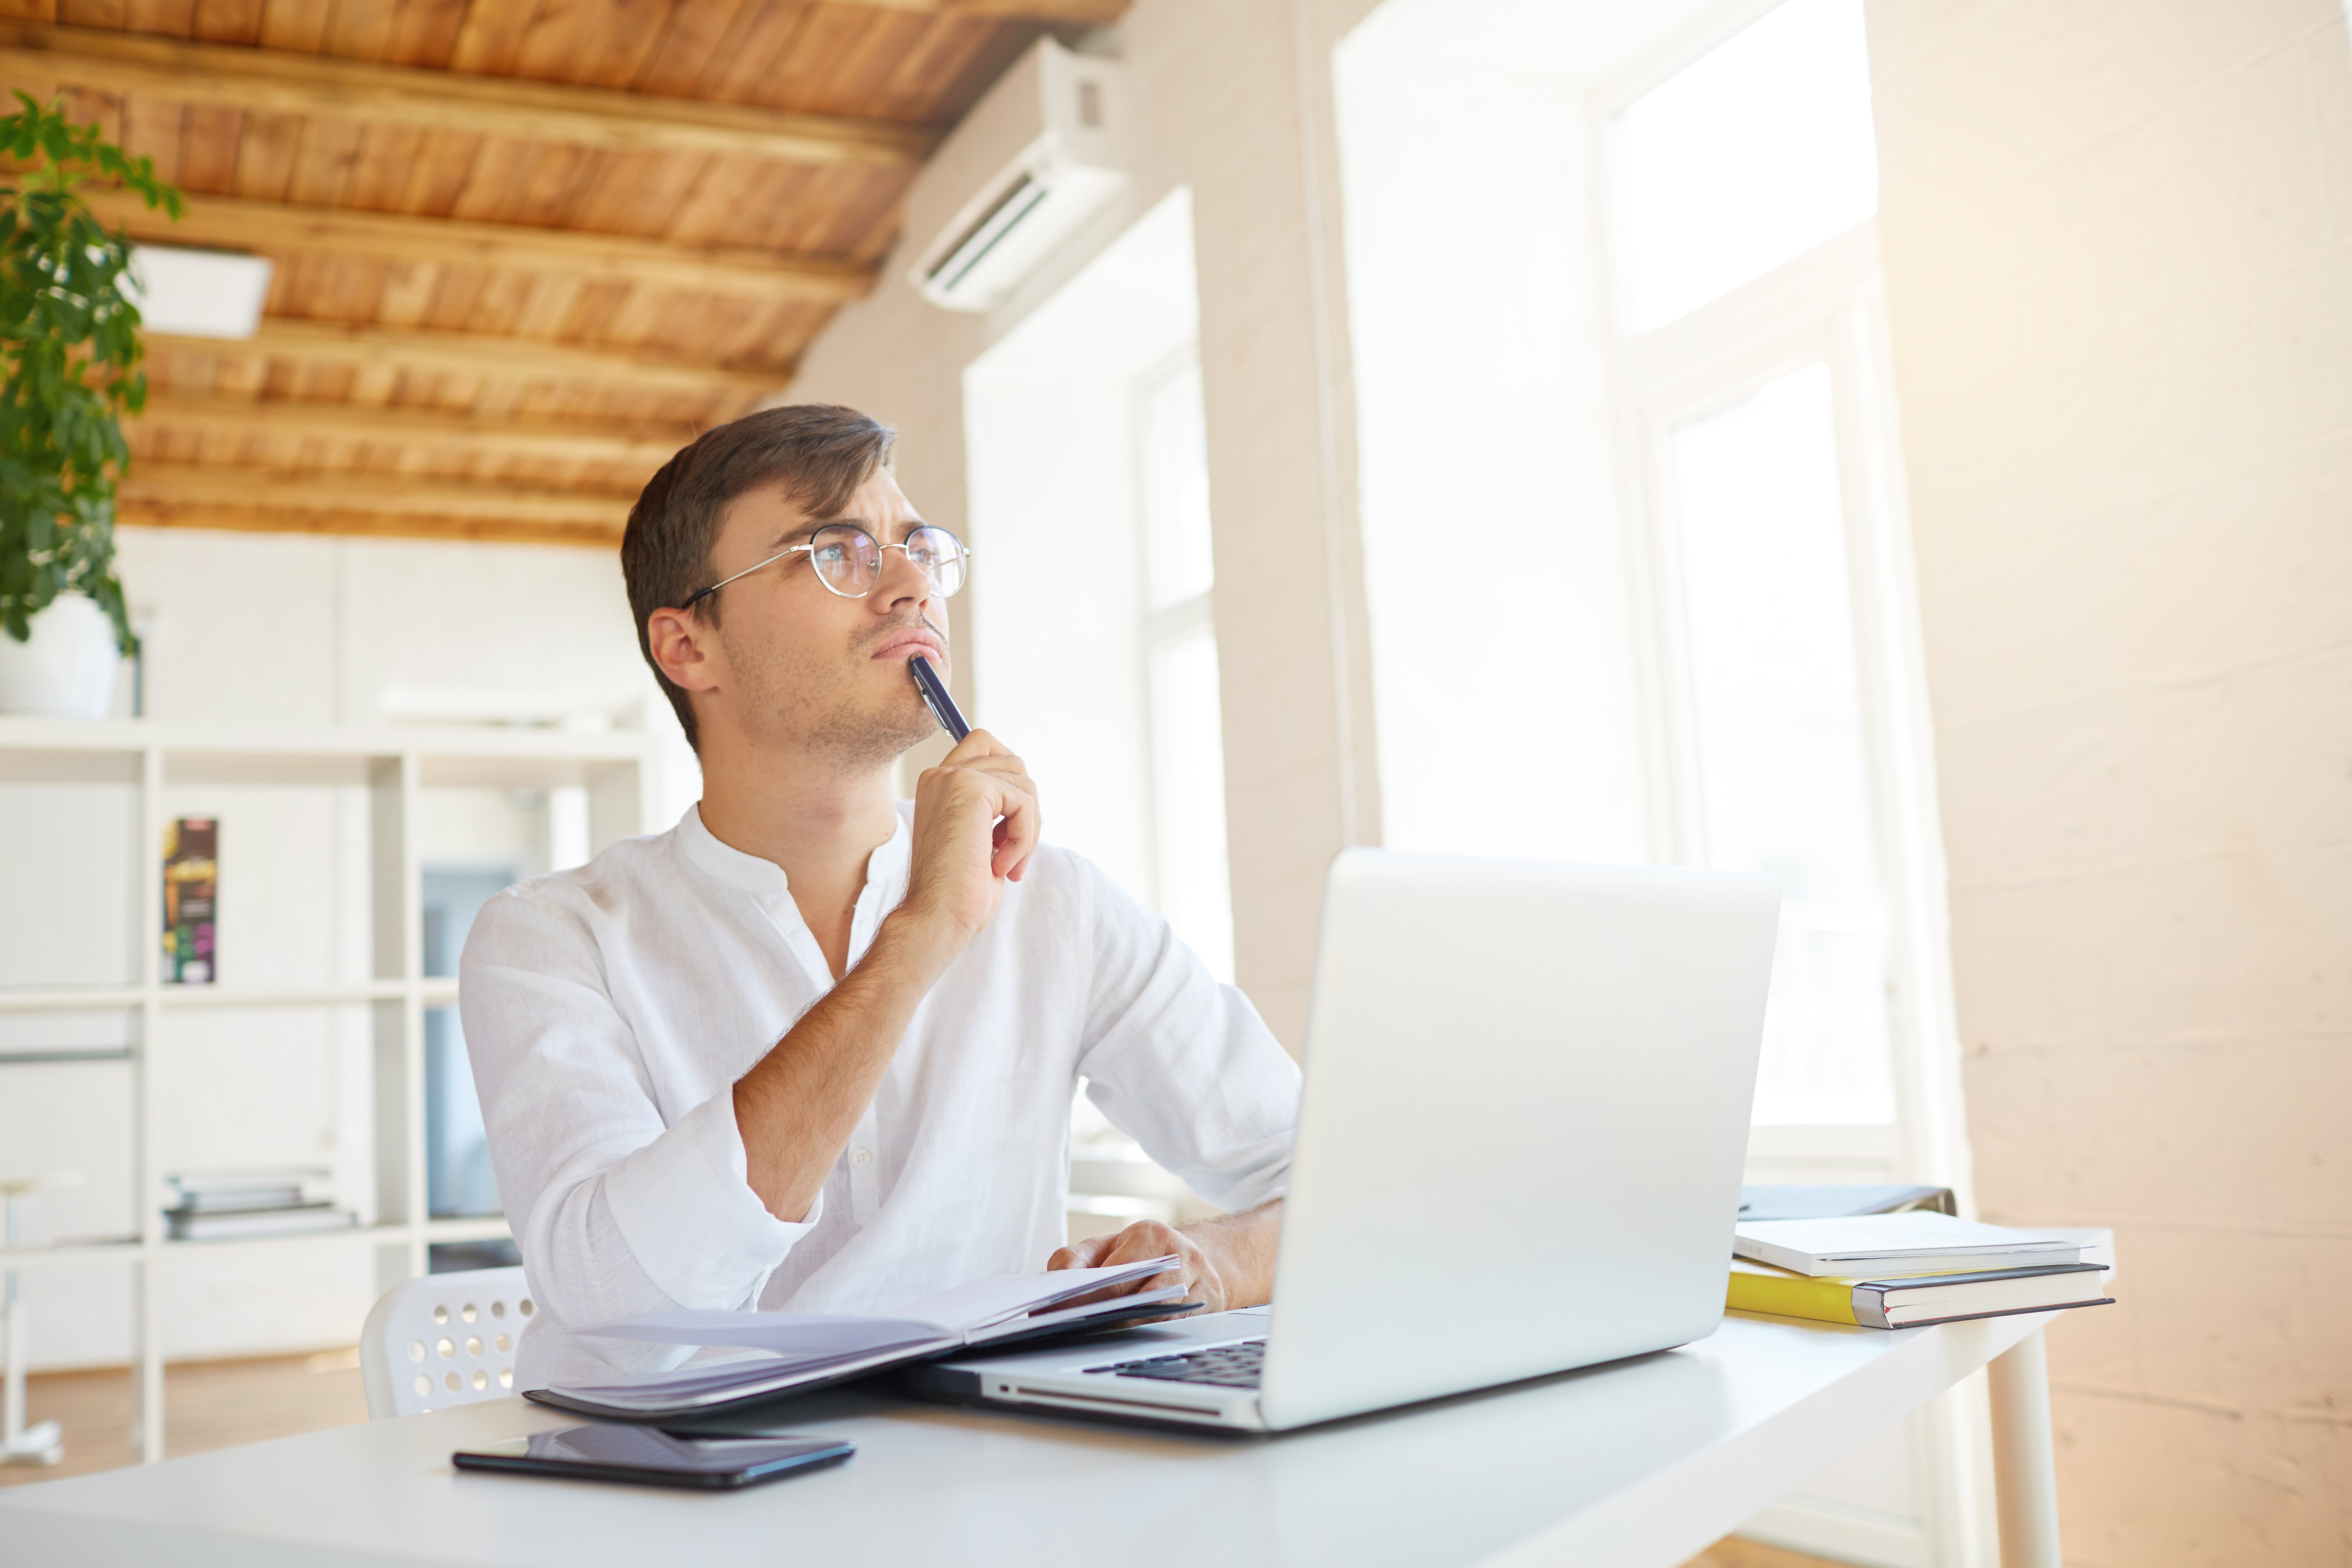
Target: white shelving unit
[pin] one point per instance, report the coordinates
(616, 769)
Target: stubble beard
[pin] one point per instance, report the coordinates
(817, 707)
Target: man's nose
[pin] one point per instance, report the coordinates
(898, 582)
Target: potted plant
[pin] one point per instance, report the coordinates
(69, 358)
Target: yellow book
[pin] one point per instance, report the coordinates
(1761, 1287)
(1901, 1303)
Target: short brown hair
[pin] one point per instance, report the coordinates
(817, 452)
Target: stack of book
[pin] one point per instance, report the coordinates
(1899, 1270)
(209, 1205)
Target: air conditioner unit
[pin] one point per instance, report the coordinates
(1035, 159)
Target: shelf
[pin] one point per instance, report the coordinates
(437, 991)
(118, 737)
(281, 995)
(78, 999)
(394, 777)
(490, 1227)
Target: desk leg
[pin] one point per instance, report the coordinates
(2024, 1457)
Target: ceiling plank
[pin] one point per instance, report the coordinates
(644, 448)
(484, 355)
(160, 487)
(320, 85)
(275, 229)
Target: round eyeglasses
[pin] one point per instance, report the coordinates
(848, 560)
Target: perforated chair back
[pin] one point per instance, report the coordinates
(444, 1340)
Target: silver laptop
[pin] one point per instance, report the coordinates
(1519, 1152)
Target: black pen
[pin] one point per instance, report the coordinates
(936, 697)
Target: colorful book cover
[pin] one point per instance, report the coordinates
(191, 872)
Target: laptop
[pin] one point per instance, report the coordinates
(1519, 1150)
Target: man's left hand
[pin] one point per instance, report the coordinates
(1221, 1263)
(1148, 1239)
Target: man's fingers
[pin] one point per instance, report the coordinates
(1011, 802)
(1141, 1240)
(1079, 1255)
(972, 747)
(1016, 835)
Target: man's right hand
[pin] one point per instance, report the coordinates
(976, 826)
(975, 829)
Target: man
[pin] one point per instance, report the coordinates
(814, 1049)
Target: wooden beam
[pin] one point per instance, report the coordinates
(365, 524)
(471, 353)
(160, 488)
(275, 229)
(287, 82)
(639, 447)
(1086, 13)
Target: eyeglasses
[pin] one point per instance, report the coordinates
(848, 560)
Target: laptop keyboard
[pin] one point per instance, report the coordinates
(1227, 1366)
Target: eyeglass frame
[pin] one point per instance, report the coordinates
(809, 545)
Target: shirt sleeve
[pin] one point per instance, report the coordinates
(617, 1212)
(1182, 1064)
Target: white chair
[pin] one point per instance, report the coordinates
(444, 1340)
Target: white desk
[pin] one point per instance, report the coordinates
(1636, 1465)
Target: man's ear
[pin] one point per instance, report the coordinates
(686, 649)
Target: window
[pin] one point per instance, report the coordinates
(1747, 157)
(1749, 361)
(1093, 650)
(1187, 752)
(1776, 739)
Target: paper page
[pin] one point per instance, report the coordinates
(1893, 1235)
(984, 1302)
(1072, 1316)
(755, 1377)
(794, 1336)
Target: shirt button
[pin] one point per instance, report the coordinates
(861, 1158)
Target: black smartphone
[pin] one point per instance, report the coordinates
(650, 1456)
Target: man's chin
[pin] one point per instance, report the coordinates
(874, 740)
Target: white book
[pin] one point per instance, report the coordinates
(1885, 1243)
(796, 1351)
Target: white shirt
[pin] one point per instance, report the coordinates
(609, 1011)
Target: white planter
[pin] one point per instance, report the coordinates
(68, 670)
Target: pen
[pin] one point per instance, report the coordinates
(936, 697)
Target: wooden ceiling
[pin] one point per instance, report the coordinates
(524, 248)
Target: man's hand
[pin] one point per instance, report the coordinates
(976, 826)
(1221, 1263)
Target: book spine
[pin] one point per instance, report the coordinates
(1823, 1300)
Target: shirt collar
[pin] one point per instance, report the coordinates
(885, 870)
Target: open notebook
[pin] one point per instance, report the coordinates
(805, 1350)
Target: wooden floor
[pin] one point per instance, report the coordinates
(206, 1405)
(220, 1404)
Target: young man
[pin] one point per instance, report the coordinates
(814, 1049)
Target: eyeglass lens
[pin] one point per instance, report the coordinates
(849, 560)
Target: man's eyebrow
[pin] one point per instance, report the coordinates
(804, 529)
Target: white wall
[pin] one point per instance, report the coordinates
(295, 631)
(2117, 244)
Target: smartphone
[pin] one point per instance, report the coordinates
(650, 1456)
